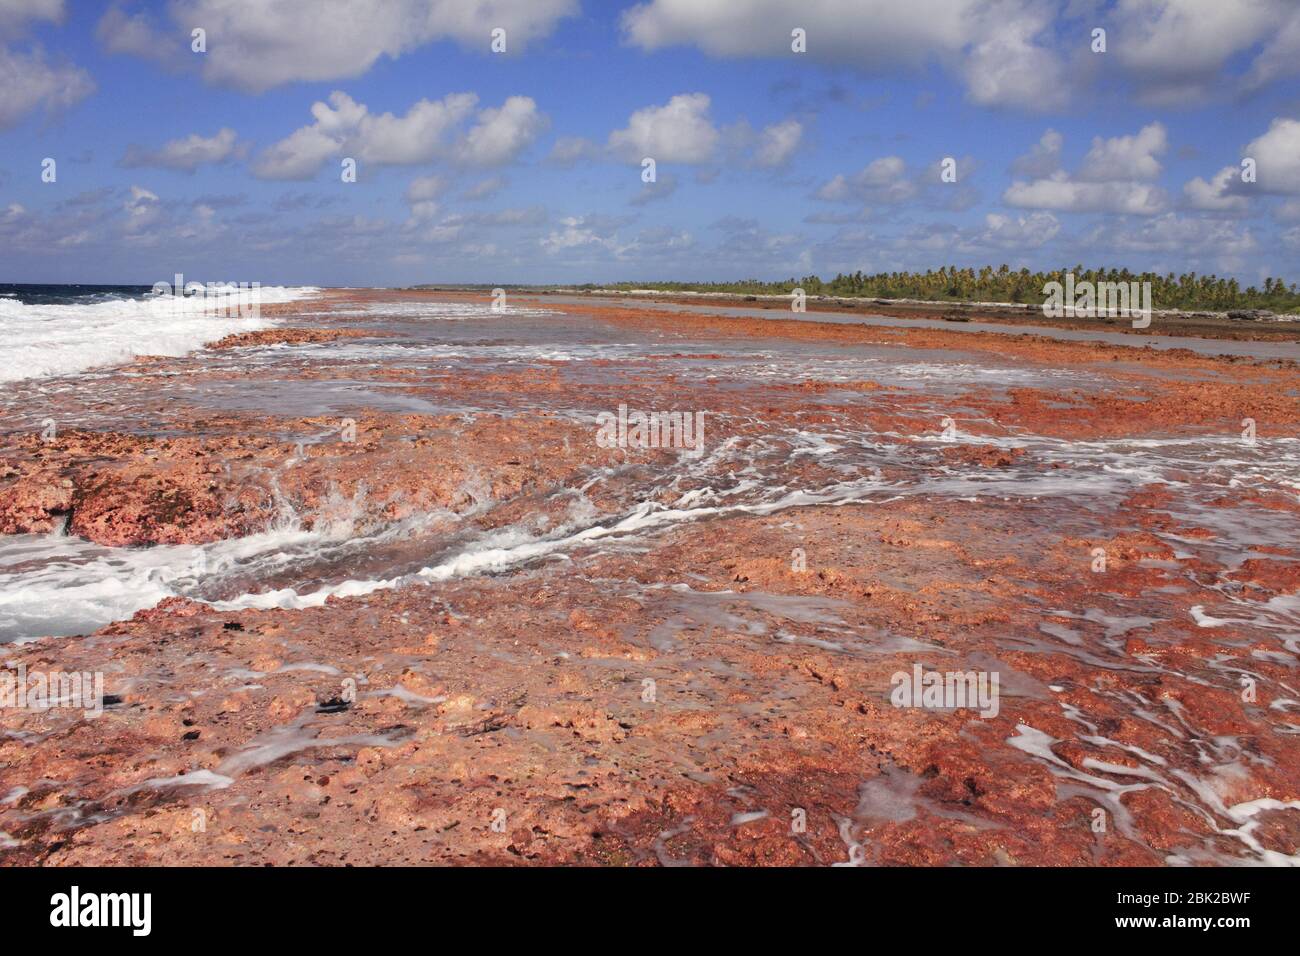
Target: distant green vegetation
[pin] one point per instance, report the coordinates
(1190, 292)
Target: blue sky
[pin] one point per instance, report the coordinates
(525, 166)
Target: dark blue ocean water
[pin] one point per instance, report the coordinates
(71, 294)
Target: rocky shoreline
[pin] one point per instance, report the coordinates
(529, 649)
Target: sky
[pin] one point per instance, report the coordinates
(230, 162)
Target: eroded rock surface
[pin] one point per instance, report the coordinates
(444, 625)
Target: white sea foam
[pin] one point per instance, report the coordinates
(54, 585)
(37, 341)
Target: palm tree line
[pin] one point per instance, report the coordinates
(1188, 292)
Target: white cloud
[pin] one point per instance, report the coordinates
(142, 209)
(344, 127)
(678, 132)
(1006, 65)
(778, 142)
(190, 153)
(1061, 193)
(1215, 195)
(1277, 167)
(255, 45)
(1043, 159)
(1110, 179)
(1023, 232)
(1280, 56)
(1178, 51)
(1289, 211)
(999, 231)
(422, 194)
(388, 139)
(14, 14)
(883, 180)
(1026, 54)
(502, 134)
(996, 47)
(136, 34)
(1125, 157)
(484, 189)
(1221, 242)
(660, 244)
(1277, 157)
(426, 187)
(28, 82)
(580, 232)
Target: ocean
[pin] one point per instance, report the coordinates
(50, 330)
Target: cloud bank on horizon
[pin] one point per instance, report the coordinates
(398, 141)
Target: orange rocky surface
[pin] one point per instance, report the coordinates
(635, 657)
(119, 489)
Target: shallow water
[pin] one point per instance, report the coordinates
(758, 461)
(423, 344)
(769, 468)
(286, 566)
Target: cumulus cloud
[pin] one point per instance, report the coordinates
(883, 180)
(417, 137)
(579, 233)
(1221, 242)
(1277, 157)
(998, 231)
(1110, 179)
(1006, 63)
(188, 154)
(1021, 232)
(142, 209)
(777, 143)
(344, 127)
(1277, 168)
(266, 43)
(1061, 193)
(28, 82)
(1215, 195)
(422, 193)
(1125, 157)
(1043, 159)
(678, 132)
(1023, 54)
(997, 48)
(137, 33)
(15, 14)
(502, 134)
(1280, 56)
(1182, 51)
